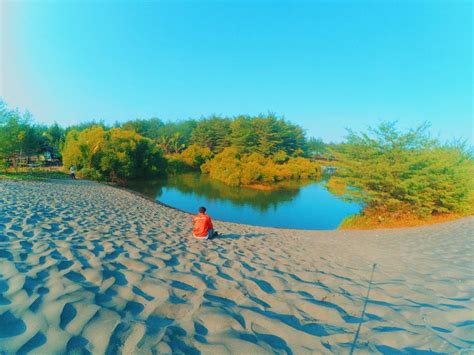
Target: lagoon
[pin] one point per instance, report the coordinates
(295, 205)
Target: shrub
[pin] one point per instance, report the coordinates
(90, 173)
(115, 155)
(225, 167)
(235, 169)
(395, 171)
(195, 155)
(190, 159)
(82, 149)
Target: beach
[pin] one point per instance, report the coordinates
(88, 267)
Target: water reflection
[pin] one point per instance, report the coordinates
(292, 204)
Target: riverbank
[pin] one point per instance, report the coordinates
(376, 221)
(84, 264)
(34, 174)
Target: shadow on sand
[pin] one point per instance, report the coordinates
(238, 236)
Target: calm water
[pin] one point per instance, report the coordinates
(294, 205)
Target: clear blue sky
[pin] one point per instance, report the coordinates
(325, 65)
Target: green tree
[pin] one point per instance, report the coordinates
(212, 133)
(83, 149)
(173, 137)
(126, 155)
(267, 135)
(181, 131)
(56, 136)
(116, 154)
(147, 128)
(243, 135)
(391, 171)
(316, 147)
(19, 138)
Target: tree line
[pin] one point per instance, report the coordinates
(389, 171)
(144, 148)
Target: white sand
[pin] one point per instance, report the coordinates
(88, 267)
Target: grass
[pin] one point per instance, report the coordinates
(372, 220)
(33, 174)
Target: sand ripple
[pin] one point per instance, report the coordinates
(86, 267)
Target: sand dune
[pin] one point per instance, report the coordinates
(86, 267)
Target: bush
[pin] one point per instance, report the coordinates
(225, 167)
(236, 169)
(114, 155)
(395, 171)
(91, 174)
(190, 159)
(82, 149)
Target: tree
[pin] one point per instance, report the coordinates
(212, 133)
(127, 155)
(316, 147)
(83, 149)
(181, 131)
(114, 154)
(266, 135)
(54, 136)
(195, 156)
(19, 138)
(243, 135)
(392, 171)
(147, 128)
(292, 138)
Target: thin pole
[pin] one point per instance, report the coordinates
(363, 311)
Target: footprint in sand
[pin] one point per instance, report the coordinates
(35, 342)
(77, 344)
(11, 326)
(67, 315)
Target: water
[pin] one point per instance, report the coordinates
(293, 205)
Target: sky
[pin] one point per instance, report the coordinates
(325, 65)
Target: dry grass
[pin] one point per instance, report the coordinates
(373, 220)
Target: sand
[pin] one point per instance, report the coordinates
(87, 267)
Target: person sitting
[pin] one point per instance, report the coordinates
(203, 227)
(72, 172)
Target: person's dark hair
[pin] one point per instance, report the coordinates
(202, 209)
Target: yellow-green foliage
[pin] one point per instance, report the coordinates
(236, 169)
(190, 159)
(81, 147)
(225, 167)
(115, 154)
(394, 171)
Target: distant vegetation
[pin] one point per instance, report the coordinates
(403, 177)
(235, 168)
(21, 138)
(115, 154)
(242, 150)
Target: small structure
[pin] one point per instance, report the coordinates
(48, 156)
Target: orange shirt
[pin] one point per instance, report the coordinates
(202, 224)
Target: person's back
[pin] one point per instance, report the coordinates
(203, 227)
